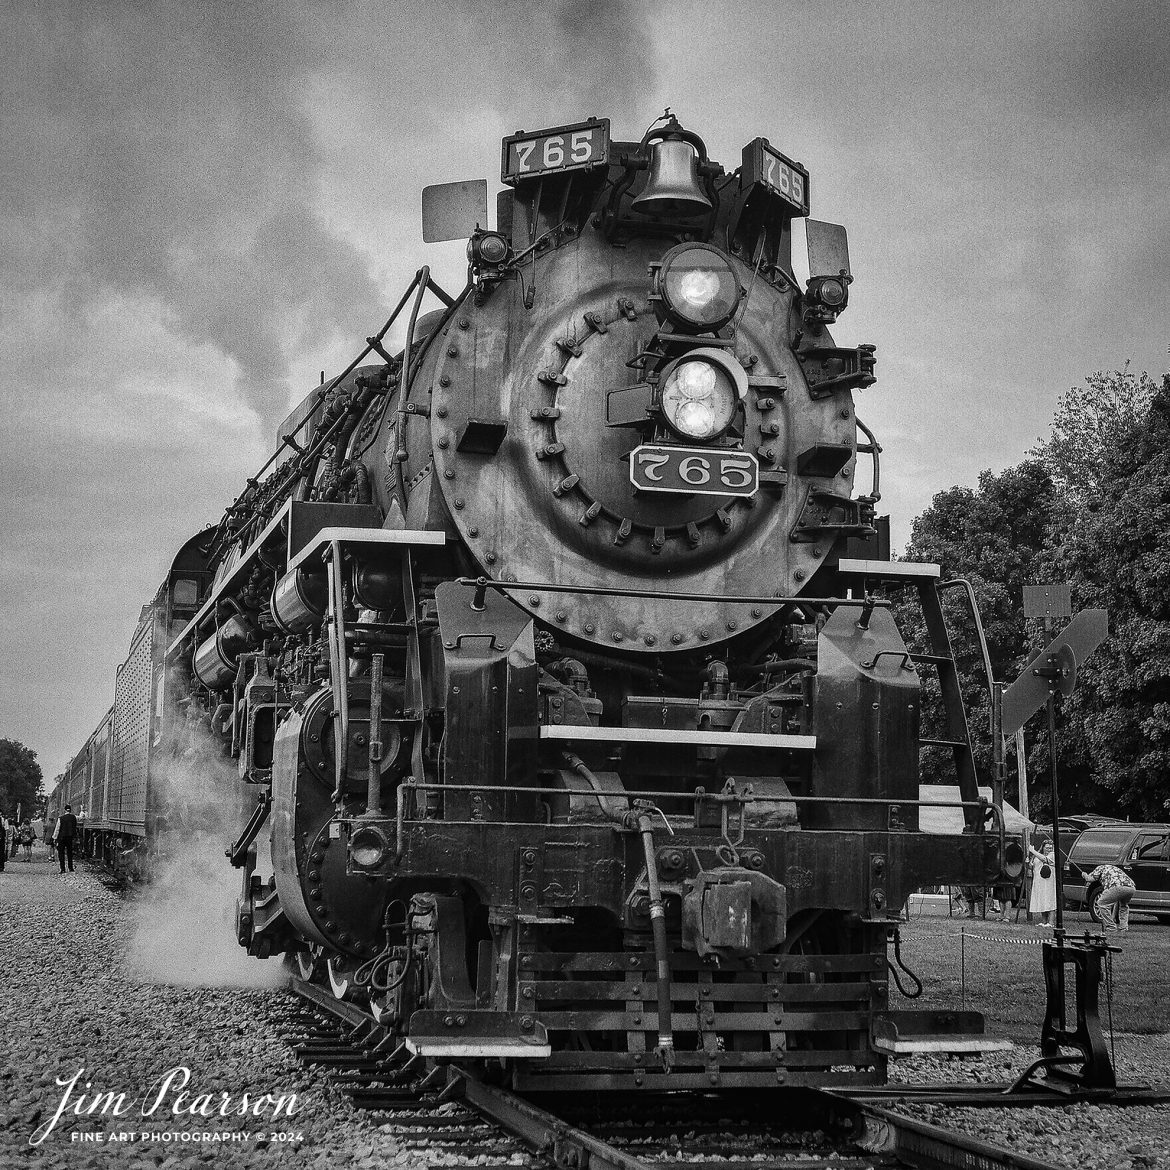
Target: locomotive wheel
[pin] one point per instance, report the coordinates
(308, 964)
(341, 981)
(392, 1007)
(379, 1005)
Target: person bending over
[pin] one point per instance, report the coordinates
(1117, 889)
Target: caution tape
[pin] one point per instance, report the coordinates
(1007, 938)
(1026, 942)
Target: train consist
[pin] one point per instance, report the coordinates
(555, 655)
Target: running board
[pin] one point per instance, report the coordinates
(802, 743)
(475, 1034)
(904, 1033)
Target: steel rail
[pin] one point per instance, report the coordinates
(995, 1095)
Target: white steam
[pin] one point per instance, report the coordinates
(184, 930)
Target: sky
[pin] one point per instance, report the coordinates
(203, 206)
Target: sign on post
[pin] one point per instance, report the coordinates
(1072, 645)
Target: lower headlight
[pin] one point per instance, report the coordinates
(700, 393)
(368, 848)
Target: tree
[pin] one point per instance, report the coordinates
(1091, 506)
(992, 535)
(1110, 449)
(20, 778)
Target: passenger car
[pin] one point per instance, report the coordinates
(1141, 850)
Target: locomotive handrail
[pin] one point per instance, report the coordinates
(695, 794)
(482, 584)
(874, 449)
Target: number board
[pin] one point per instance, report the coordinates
(563, 148)
(703, 471)
(765, 165)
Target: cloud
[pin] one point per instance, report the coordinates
(162, 153)
(205, 205)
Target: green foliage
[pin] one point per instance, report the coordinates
(20, 779)
(1091, 506)
(1114, 548)
(992, 535)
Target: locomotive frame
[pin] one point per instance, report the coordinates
(600, 787)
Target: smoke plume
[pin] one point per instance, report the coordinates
(163, 153)
(184, 931)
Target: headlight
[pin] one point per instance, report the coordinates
(700, 393)
(368, 848)
(697, 287)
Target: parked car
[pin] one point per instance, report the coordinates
(1079, 822)
(1143, 851)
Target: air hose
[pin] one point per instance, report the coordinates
(665, 1048)
(894, 969)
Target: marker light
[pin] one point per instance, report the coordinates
(700, 393)
(487, 248)
(697, 287)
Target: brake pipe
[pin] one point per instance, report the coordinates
(665, 1047)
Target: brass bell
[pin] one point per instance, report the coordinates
(673, 187)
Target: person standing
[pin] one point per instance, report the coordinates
(1042, 900)
(1117, 889)
(27, 837)
(3, 840)
(64, 834)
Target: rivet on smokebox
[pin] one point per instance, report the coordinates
(798, 575)
(676, 638)
(464, 323)
(534, 601)
(458, 502)
(473, 531)
(589, 627)
(560, 615)
(527, 1023)
(444, 444)
(444, 381)
(452, 351)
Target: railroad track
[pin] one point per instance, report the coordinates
(449, 1115)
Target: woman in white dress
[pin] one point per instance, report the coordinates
(1042, 899)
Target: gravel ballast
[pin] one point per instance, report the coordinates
(79, 998)
(71, 1002)
(1082, 1137)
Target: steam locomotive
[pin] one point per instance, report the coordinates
(555, 650)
